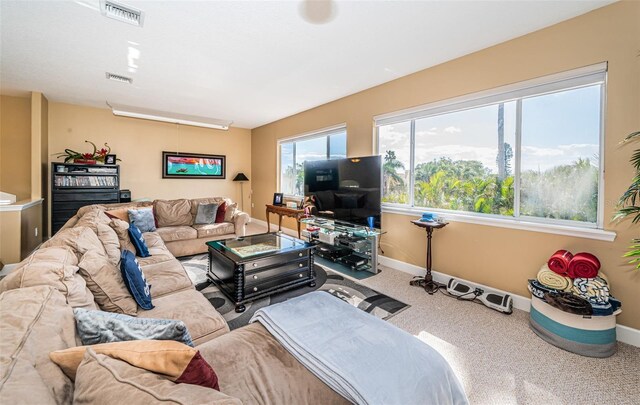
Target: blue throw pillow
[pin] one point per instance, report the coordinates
(138, 241)
(143, 218)
(134, 280)
(95, 327)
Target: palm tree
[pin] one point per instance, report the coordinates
(391, 178)
(629, 203)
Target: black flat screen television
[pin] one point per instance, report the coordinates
(346, 190)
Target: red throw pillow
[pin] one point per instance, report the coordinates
(199, 372)
(220, 214)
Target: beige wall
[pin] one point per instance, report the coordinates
(15, 146)
(139, 143)
(498, 257)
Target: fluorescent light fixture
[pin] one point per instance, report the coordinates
(147, 114)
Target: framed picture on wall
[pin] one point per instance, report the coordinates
(182, 165)
(278, 198)
(110, 160)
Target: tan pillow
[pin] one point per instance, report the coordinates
(103, 380)
(52, 266)
(92, 218)
(104, 280)
(110, 241)
(79, 238)
(232, 208)
(166, 357)
(121, 229)
(119, 213)
(173, 212)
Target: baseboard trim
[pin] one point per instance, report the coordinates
(624, 334)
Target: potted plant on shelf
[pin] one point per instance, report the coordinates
(629, 203)
(90, 158)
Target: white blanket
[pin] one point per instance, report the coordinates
(364, 359)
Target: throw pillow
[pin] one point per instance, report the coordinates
(138, 241)
(222, 208)
(230, 211)
(176, 361)
(143, 218)
(134, 280)
(119, 213)
(105, 282)
(206, 214)
(110, 241)
(96, 327)
(122, 230)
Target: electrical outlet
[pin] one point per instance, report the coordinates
(36, 231)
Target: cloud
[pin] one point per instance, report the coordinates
(452, 130)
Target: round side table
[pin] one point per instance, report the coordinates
(427, 282)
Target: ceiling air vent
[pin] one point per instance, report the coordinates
(121, 12)
(119, 78)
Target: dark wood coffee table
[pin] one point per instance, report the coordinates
(252, 267)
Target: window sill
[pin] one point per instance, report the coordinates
(578, 232)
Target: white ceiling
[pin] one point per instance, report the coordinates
(252, 62)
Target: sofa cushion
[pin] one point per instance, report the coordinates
(105, 282)
(96, 327)
(196, 202)
(35, 321)
(191, 307)
(206, 214)
(251, 357)
(157, 249)
(134, 279)
(138, 241)
(143, 218)
(214, 229)
(121, 228)
(173, 233)
(173, 212)
(166, 277)
(79, 238)
(103, 380)
(53, 266)
(110, 241)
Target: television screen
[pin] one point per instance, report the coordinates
(346, 190)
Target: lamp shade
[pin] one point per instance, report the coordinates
(240, 177)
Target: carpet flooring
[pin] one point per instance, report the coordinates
(500, 360)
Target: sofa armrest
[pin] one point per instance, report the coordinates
(240, 221)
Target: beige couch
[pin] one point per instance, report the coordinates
(175, 222)
(78, 267)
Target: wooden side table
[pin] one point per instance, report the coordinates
(282, 211)
(427, 282)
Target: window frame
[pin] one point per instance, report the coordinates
(320, 133)
(564, 81)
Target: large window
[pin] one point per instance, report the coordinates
(527, 152)
(322, 145)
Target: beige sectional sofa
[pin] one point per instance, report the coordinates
(175, 222)
(78, 268)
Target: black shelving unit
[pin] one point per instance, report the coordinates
(75, 185)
